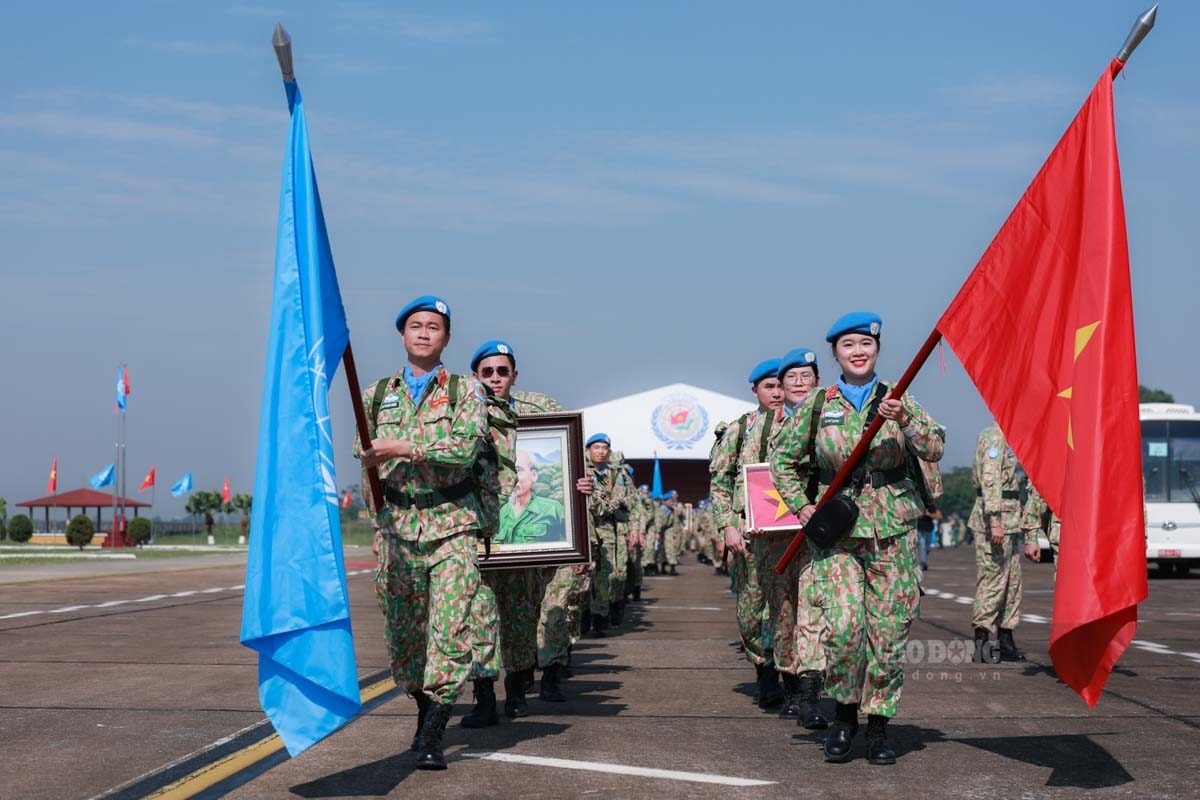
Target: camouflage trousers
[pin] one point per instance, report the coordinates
(650, 552)
(426, 590)
(708, 548)
(797, 623)
(635, 572)
(997, 583)
(578, 601)
(504, 621)
(868, 589)
(670, 547)
(751, 605)
(610, 555)
(554, 629)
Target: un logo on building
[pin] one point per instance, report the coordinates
(679, 422)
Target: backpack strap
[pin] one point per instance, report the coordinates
(814, 474)
(377, 402)
(860, 476)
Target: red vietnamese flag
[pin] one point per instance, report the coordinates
(147, 482)
(52, 483)
(226, 495)
(346, 500)
(1044, 327)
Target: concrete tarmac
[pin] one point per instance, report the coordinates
(107, 680)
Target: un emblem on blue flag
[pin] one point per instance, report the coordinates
(679, 422)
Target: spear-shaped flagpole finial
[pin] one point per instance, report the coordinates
(283, 51)
(1141, 27)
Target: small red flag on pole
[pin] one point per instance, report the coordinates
(346, 499)
(226, 495)
(52, 483)
(147, 482)
(1050, 301)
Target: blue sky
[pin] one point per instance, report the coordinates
(632, 196)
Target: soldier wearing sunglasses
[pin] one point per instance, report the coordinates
(509, 608)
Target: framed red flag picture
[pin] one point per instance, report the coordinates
(765, 509)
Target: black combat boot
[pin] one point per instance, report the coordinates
(599, 625)
(986, 650)
(673, 570)
(585, 622)
(483, 715)
(637, 594)
(514, 695)
(429, 740)
(616, 614)
(1008, 647)
(529, 679)
(791, 696)
(551, 691)
(879, 750)
(841, 735)
(770, 693)
(423, 703)
(810, 701)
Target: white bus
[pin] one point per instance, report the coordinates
(1171, 469)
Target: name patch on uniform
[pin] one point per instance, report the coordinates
(441, 401)
(834, 416)
(390, 401)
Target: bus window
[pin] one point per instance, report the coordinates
(1155, 460)
(1185, 455)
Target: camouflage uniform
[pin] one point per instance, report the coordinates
(997, 567)
(427, 577)
(670, 527)
(608, 510)
(1037, 516)
(867, 584)
(649, 518)
(728, 502)
(638, 522)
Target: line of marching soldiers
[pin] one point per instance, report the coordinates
(838, 618)
(445, 448)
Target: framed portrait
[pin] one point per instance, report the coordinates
(765, 509)
(543, 522)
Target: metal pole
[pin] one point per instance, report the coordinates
(1141, 27)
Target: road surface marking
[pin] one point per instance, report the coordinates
(618, 769)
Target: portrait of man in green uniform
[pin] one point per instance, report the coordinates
(528, 517)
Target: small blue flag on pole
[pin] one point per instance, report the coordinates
(182, 486)
(103, 478)
(656, 488)
(296, 611)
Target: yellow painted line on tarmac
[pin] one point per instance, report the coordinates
(232, 764)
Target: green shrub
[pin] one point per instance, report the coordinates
(139, 530)
(20, 528)
(80, 531)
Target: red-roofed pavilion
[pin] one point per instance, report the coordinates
(83, 499)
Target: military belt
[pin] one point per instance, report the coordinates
(877, 479)
(430, 499)
(1007, 494)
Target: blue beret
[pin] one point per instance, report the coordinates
(494, 347)
(856, 322)
(764, 369)
(670, 495)
(425, 302)
(602, 438)
(645, 486)
(800, 357)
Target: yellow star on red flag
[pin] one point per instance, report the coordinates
(781, 508)
(1082, 337)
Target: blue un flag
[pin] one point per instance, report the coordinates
(296, 612)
